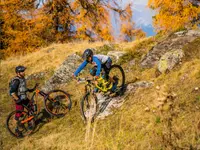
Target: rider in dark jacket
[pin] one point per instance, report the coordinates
(18, 91)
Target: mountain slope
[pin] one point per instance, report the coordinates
(142, 122)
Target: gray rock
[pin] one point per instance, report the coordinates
(169, 60)
(116, 54)
(172, 42)
(64, 73)
(39, 75)
(181, 33)
(193, 33)
(117, 102)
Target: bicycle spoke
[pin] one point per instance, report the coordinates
(57, 110)
(19, 128)
(60, 103)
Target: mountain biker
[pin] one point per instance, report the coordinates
(18, 91)
(99, 61)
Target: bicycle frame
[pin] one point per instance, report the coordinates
(36, 92)
(101, 85)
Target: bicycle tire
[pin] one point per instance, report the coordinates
(57, 102)
(85, 104)
(25, 128)
(121, 87)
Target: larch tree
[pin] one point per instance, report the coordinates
(81, 19)
(28, 24)
(18, 26)
(174, 14)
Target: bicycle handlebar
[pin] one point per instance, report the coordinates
(87, 79)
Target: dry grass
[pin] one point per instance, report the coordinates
(130, 127)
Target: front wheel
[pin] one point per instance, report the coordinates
(20, 123)
(88, 106)
(58, 103)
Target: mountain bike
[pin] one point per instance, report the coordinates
(57, 103)
(89, 104)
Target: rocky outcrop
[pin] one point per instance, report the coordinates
(115, 55)
(64, 73)
(117, 102)
(173, 42)
(39, 75)
(169, 60)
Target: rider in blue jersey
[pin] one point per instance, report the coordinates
(99, 61)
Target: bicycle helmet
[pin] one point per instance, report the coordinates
(87, 53)
(20, 69)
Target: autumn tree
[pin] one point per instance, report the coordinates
(28, 24)
(19, 25)
(82, 19)
(174, 14)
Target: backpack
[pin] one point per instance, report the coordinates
(10, 84)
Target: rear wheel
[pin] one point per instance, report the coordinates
(58, 103)
(88, 107)
(117, 75)
(23, 126)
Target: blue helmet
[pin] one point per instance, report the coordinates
(87, 53)
(20, 69)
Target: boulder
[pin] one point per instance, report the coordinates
(64, 72)
(169, 60)
(116, 54)
(117, 102)
(39, 75)
(175, 41)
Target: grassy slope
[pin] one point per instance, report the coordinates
(130, 127)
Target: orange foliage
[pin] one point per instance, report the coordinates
(174, 14)
(19, 27)
(26, 26)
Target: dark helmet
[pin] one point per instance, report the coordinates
(87, 53)
(20, 69)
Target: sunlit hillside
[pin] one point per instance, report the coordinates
(138, 124)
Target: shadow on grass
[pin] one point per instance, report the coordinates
(43, 117)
